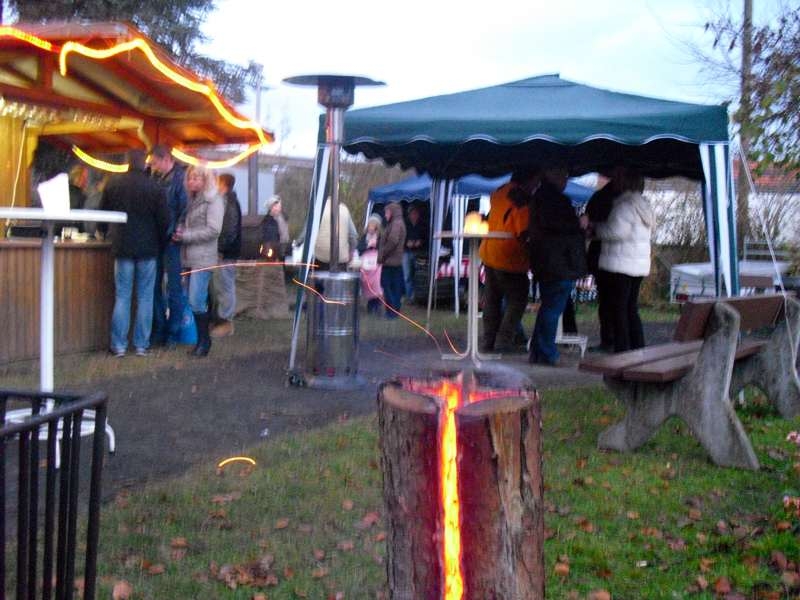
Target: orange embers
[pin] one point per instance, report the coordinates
(448, 478)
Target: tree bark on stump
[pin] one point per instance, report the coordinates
(500, 491)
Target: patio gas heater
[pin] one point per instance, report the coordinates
(332, 336)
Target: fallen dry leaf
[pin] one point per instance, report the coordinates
(177, 554)
(122, 590)
(370, 519)
(320, 572)
(778, 559)
(677, 545)
(225, 498)
(791, 579)
(722, 585)
(282, 523)
(632, 515)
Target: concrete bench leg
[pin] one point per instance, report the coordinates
(700, 398)
(773, 369)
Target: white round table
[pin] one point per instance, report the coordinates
(46, 298)
(474, 240)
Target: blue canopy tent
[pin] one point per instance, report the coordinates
(418, 189)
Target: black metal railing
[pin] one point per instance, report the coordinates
(45, 558)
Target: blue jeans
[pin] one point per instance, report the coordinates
(554, 295)
(408, 274)
(165, 329)
(223, 282)
(392, 284)
(126, 271)
(198, 291)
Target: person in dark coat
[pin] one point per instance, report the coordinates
(136, 246)
(223, 279)
(558, 258)
(167, 323)
(416, 245)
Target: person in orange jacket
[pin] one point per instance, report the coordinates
(506, 262)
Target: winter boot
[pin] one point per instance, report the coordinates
(203, 338)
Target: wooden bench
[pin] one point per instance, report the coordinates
(693, 376)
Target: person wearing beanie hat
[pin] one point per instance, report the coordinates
(274, 231)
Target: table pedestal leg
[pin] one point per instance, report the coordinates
(472, 311)
(47, 311)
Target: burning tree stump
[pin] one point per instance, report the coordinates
(463, 489)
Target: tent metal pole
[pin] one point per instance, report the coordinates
(437, 197)
(316, 201)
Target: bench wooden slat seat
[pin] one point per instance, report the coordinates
(675, 367)
(692, 377)
(613, 365)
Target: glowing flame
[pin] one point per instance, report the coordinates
(448, 477)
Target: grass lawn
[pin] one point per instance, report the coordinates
(306, 521)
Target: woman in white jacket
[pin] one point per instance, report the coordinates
(625, 256)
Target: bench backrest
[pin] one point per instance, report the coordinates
(755, 312)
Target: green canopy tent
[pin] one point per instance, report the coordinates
(545, 121)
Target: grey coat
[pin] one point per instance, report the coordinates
(201, 228)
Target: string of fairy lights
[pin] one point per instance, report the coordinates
(45, 115)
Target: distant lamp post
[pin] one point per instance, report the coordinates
(252, 162)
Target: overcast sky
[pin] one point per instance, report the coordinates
(425, 48)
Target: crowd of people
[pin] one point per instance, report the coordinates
(549, 238)
(177, 250)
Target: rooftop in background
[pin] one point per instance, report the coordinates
(111, 98)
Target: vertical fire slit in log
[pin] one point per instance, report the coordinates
(491, 437)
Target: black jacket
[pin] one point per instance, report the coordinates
(144, 235)
(556, 238)
(230, 238)
(598, 208)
